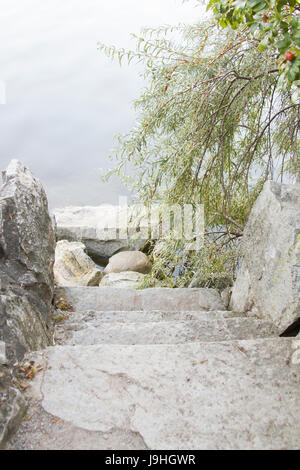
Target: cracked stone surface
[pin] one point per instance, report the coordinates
(42, 431)
(184, 396)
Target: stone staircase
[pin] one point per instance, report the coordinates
(161, 369)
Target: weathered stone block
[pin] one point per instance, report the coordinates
(268, 282)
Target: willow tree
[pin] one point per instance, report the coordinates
(213, 124)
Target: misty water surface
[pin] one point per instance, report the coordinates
(64, 99)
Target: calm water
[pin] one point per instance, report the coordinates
(64, 99)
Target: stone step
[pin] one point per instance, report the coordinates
(165, 332)
(219, 395)
(166, 299)
(131, 316)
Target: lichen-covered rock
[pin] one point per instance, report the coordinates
(73, 267)
(27, 245)
(268, 282)
(129, 261)
(124, 279)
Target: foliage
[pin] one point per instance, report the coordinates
(275, 23)
(213, 266)
(213, 124)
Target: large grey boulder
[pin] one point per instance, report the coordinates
(27, 245)
(268, 282)
(98, 227)
(129, 261)
(73, 267)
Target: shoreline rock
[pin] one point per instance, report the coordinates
(135, 261)
(73, 267)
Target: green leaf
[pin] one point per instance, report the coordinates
(284, 26)
(253, 27)
(253, 3)
(261, 6)
(283, 44)
(264, 44)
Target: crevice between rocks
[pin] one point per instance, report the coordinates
(292, 330)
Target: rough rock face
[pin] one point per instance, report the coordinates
(268, 282)
(27, 245)
(26, 264)
(12, 407)
(98, 228)
(73, 267)
(124, 279)
(128, 261)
